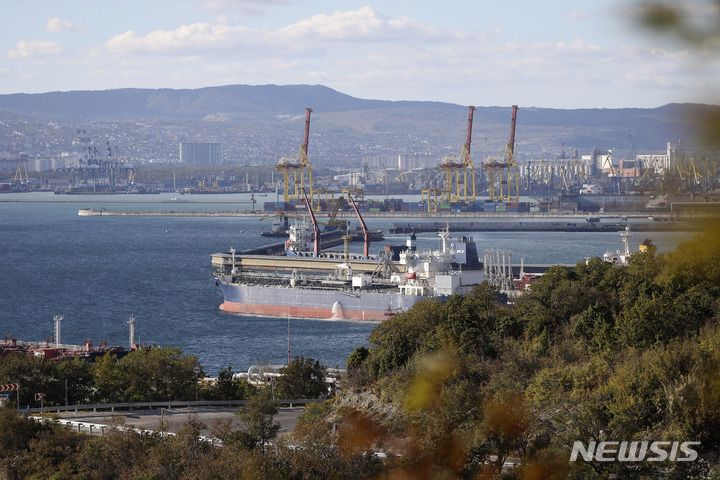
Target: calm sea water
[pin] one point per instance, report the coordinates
(96, 271)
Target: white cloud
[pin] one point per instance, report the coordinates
(366, 53)
(185, 40)
(246, 7)
(577, 15)
(364, 26)
(59, 25)
(36, 48)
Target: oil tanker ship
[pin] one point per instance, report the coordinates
(343, 286)
(338, 285)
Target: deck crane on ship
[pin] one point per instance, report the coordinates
(366, 232)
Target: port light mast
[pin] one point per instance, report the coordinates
(503, 174)
(456, 167)
(297, 172)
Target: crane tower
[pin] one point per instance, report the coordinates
(503, 173)
(297, 172)
(455, 168)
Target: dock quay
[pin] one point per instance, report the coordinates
(102, 212)
(327, 240)
(494, 222)
(560, 226)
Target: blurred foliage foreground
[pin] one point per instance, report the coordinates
(472, 388)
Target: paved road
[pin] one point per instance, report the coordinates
(175, 419)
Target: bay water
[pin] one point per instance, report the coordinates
(96, 271)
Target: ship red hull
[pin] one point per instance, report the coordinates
(302, 312)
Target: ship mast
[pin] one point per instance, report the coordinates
(625, 237)
(131, 322)
(57, 319)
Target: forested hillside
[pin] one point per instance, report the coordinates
(603, 353)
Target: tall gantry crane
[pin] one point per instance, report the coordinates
(503, 173)
(456, 187)
(21, 180)
(297, 172)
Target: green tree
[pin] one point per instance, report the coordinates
(76, 374)
(397, 339)
(17, 434)
(161, 373)
(357, 357)
(110, 384)
(356, 369)
(228, 387)
(35, 375)
(596, 326)
(258, 420)
(470, 321)
(302, 378)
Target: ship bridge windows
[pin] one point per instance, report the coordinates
(412, 289)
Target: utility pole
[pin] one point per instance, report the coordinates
(197, 371)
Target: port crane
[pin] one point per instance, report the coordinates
(21, 180)
(504, 173)
(452, 168)
(297, 172)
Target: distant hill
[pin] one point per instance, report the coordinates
(355, 120)
(131, 103)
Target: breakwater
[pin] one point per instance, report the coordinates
(530, 226)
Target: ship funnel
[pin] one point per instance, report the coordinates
(337, 311)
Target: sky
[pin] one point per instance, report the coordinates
(551, 53)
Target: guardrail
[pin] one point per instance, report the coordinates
(175, 404)
(102, 429)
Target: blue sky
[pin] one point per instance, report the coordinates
(554, 53)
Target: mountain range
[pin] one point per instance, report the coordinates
(364, 121)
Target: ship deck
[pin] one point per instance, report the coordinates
(224, 262)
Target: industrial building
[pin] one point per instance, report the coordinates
(201, 154)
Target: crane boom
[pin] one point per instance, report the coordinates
(511, 143)
(366, 232)
(469, 134)
(316, 229)
(308, 111)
